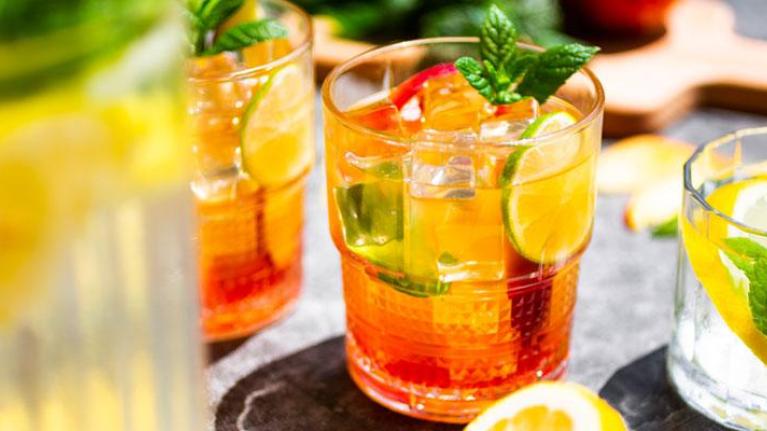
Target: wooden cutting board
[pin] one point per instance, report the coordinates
(700, 60)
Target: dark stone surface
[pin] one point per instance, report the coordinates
(309, 390)
(643, 394)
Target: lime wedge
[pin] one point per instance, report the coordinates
(548, 194)
(276, 138)
(548, 123)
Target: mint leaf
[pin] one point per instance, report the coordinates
(498, 38)
(667, 229)
(497, 76)
(447, 259)
(475, 76)
(757, 294)
(520, 64)
(751, 258)
(553, 68)
(204, 16)
(211, 13)
(244, 35)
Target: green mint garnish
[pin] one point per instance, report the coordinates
(667, 229)
(506, 74)
(247, 34)
(207, 15)
(751, 258)
(447, 259)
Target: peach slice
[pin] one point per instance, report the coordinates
(632, 164)
(654, 205)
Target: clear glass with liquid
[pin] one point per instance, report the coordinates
(98, 304)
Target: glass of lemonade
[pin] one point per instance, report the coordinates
(718, 354)
(98, 326)
(252, 111)
(460, 233)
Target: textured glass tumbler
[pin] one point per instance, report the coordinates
(444, 313)
(714, 357)
(252, 112)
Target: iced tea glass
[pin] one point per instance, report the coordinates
(459, 285)
(718, 353)
(253, 121)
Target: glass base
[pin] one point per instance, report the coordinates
(733, 408)
(263, 308)
(437, 404)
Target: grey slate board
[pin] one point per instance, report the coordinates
(648, 402)
(309, 390)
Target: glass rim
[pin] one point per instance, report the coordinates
(303, 46)
(337, 71)
(696, 194)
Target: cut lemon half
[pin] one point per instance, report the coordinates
(726, 285)
(276, 140)
(550, 406)
(548, 193)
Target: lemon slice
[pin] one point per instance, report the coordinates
(548, 194)
(550, 406)
(276, 138)
(726, 285)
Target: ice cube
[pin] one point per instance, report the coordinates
(385, 168)
(455, 179)
(509, 121)
(217, 186)
(449, 103)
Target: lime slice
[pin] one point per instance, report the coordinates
(548, 123)
(548, 194)
(276, 140)
(726, 285)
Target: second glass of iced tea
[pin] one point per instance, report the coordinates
(460, 234)
(252, 112)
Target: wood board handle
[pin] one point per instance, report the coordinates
(700, 60)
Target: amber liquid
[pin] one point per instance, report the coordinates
(250, 259)
(499, 322)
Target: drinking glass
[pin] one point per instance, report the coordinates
(445, 311)
(98, 325)
(718, 353)
(253, 138)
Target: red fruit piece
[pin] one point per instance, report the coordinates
(530, 308)
(383, 117)
(411, 86)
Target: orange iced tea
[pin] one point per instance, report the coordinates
(252, 112)
(460, 226)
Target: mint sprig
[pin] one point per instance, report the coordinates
(751, 258)
(205, 16)
(244, 35)
(506, 74)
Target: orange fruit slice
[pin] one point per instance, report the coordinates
(630, 164)
(550, 406)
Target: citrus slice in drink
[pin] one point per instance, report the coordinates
(548, 193)
(726, 285)
(276, 144)
(547, 124)
(550, 406)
